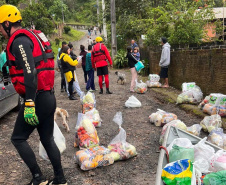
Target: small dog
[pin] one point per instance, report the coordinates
(64, 114)
(121, 77)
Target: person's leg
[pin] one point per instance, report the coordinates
(100, 83)
(88, 85)
(21, 133)
(66, 86)
(85, 73)
(134, 77)
(92, 84)
(63, 84)
(45, 109)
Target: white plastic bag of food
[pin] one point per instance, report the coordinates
(176, 123)
(161, 117)
(188, 86)
(120, 149)
(203, 151)
(153, 84)
(86, 134)
(210, 123)
(216, 137)
(153, 78)
(195, 129)
(94, 116)
(88, 102)
(132, 102)
(140, 87)
(218, 161)
(202, 165)
(59, 140)
(182, 142)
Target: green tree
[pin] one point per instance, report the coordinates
(36, 14)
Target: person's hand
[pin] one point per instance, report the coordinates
(111, 66)
(29, 113)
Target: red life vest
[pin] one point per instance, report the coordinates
(98, 53)
(43, 58)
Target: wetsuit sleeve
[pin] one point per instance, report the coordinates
(107, 55)
(22, 48)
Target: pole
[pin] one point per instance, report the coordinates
(98, 13)
(104, 21)
(62, 12)
(113, 30)
(223, 20)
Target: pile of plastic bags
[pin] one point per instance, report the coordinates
(141, 87)
(215, 103)
(88, 102)
(191, 94)
(160, 118)
(153, 80)
(210, 123)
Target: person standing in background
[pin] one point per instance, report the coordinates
(89, 70)
(83, 54)
(3, 58)
(165, 61)
(100, 29)
(133, 44)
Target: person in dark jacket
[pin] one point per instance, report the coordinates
(83, 54)
(131, 62)
(90, 70)
(68, 66)
(63, 84)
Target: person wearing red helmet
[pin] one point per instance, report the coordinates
(99, 57)
(31, 68)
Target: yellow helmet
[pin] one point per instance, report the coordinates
(99, 39)
(9, 13)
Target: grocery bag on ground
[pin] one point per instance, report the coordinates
(190, 95)
(120, 149)
(210, 123)
(160, 118)
(216, 137)
(188, 86)
(178, 153)
(153, 80)
(218, 161)
(176, 123)
(141, 87)
(59, 140)
(194, 129)
(215, 104)
(94, 116)
(94, 157)
(88, 101)
(218, 178)
(132, 102)
(203, 151)
(86, 134)
(178, 172)
(153, 84)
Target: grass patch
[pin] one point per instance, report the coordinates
(73, 35)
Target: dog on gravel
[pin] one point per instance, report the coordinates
(65, 116)
(121, 77)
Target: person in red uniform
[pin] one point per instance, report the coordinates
(31, 67)
(99, 57)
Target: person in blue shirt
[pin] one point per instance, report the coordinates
(136, 53)
(133, 44)
(89, 70)
(3, 58)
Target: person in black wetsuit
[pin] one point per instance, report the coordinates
(32, 73)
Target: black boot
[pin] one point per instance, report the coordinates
(39, 181)
(58, 181)
(71, 97)
(101, 91)
(107, 91)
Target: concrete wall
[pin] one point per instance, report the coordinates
(206, 67)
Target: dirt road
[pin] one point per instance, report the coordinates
(144, 136)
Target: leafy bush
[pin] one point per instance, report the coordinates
(57, 41)
(120, 59)
(67, 29)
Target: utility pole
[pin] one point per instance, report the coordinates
(98, 13)
(104, 21)
(113, 30)
(223, 20)
(62, 11)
